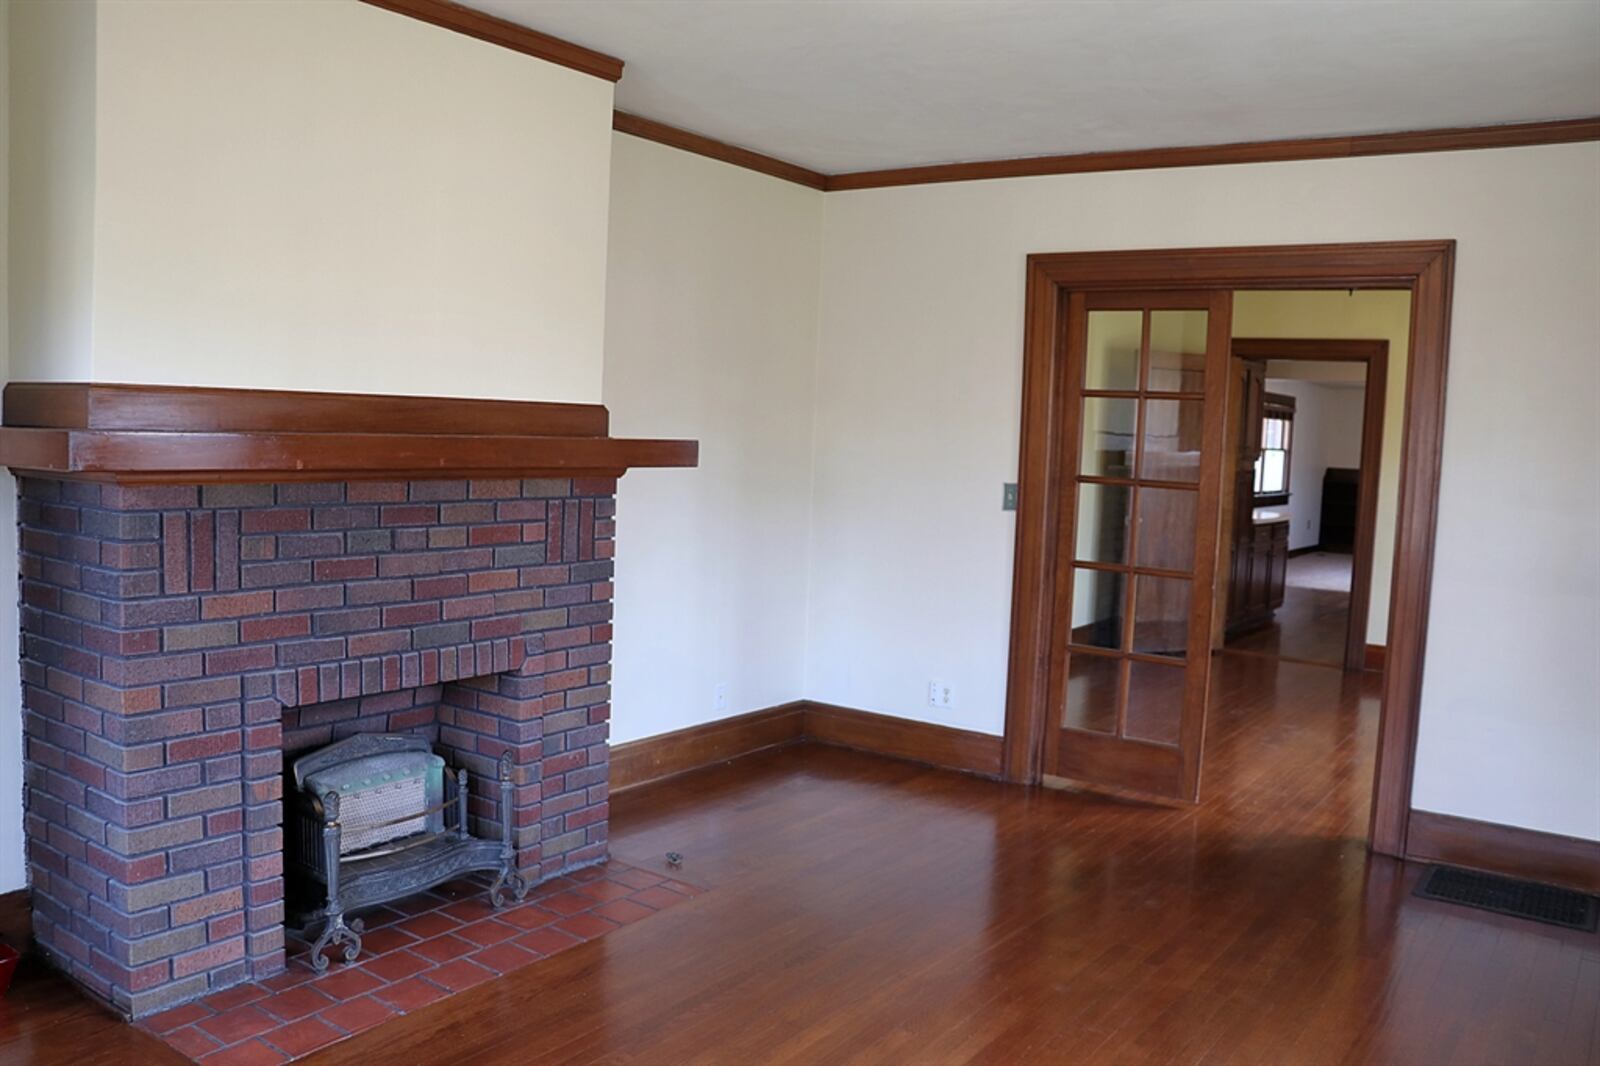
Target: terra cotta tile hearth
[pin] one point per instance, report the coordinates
(418, 952)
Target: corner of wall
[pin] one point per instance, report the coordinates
(13, 867)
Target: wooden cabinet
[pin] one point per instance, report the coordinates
(1259, 573)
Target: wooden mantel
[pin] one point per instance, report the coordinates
(158, 433)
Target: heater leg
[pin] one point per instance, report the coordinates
(507, 876)
(337, 930)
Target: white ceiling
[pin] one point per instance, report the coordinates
(841, 85)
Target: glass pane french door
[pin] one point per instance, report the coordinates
(1137, 549)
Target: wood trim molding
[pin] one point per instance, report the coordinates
(661, 133)
(1375, 355)
(506, 34)
(1504, 849)
(1374, 657)
(902, 738)
(1423, 267)
(16, 920)
(187, 409)
(640, 762)
(170, 434)
(1459, 138)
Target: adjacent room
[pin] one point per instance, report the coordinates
(893, 531)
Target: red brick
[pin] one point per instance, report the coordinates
(410, 614)
(491, 580)
(274, 520)
(235, 605)
(277, 627)
(346, 569)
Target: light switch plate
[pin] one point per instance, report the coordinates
(1008, 498)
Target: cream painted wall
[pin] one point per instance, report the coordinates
(710, 333)
(1368, 315)
(12, 873)
(50, 191)
(327, 195)
(918, 386)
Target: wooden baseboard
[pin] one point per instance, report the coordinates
(16, 919)
(1504, 849)
(639, 762)
(1375, 657)
(902, 738)
(652, 758)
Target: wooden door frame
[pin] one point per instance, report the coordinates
(1374, 354)
(1425, 269)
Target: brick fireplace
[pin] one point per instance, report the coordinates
(177, 639)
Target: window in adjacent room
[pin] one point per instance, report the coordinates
(1277, 438)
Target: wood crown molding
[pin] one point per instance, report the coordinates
(1504, 849)
(1520, 135)
(506, 34)
(1438, 140)
(661, 133)
(640, 762)
(158, 433)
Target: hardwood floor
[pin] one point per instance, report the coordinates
(1311, 625)
(868, 911)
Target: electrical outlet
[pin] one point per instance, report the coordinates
(719, 697)
(940, 695)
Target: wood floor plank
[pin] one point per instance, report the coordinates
(866, 910)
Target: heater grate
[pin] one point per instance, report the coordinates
(1506, 895)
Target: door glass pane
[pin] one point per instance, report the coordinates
(1177, 351)
(1161, 616)
(1112, 360)
(1155, 702)
(1173, 430)
(1166, 528)
(1103, 522)
(1109, 426)
(1092, 684)
(1097, 608)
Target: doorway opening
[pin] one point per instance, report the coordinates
(1122, 560)
(1307, 448)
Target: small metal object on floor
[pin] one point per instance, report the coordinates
(674, 858)
(1507, 895)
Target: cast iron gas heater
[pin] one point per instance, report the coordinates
(377, 817)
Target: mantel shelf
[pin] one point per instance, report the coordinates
(138, 433)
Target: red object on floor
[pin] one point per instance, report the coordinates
(421, 950)
(8, 966)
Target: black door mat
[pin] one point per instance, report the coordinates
(1506, 895)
